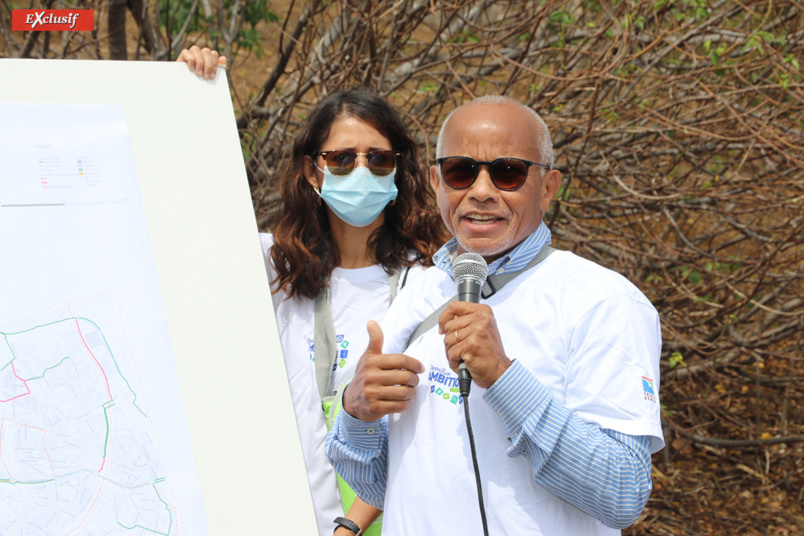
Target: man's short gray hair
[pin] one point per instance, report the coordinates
(544, 143)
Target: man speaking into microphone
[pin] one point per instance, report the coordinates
(563, 356)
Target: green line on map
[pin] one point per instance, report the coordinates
(106, 416)
(105, 342)
(43, 372)
(10, 349)
(14, 482)
(143, 528)
(109, 348)
(170, 516)
(37, 327)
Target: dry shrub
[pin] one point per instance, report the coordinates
(678, 127)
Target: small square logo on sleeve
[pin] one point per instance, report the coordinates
(647, 389)
(50, 20)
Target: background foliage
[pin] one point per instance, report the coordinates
(679, 129)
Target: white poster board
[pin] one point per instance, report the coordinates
(211, 275)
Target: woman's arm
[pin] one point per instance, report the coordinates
(361, 513)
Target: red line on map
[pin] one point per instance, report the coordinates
(23, 382)
(105, 379)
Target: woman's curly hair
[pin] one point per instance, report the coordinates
(304, 253)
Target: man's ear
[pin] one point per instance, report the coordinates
(310, 173)
(550, 185)
(435, 179)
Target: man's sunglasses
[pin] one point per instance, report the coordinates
(510, 173)
(342, 162)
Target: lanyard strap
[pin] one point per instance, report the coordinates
(494, 283)
(326, 347)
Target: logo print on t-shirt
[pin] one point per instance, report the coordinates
(444, 385)
(647, 389)
(342, 353)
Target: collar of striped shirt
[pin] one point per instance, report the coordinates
(513, 261)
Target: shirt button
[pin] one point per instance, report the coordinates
(370, 431)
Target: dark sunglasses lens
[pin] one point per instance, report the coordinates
(508, 173)
(381, 163)
(341, 163)
(459, 172)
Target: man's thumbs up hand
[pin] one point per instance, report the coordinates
(383, 383)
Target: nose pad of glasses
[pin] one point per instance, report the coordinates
(483, 178)
(361, 161)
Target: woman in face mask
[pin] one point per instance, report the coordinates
(358, 221)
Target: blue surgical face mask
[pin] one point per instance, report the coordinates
(359, 197)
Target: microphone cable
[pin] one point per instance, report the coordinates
(470, 272)
(465, 384)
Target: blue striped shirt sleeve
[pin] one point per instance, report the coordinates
(359, 453)
(605, 473)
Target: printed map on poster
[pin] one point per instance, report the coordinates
(93, 438)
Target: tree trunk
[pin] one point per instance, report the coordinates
(117, 30)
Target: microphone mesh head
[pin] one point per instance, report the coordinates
(470, 265)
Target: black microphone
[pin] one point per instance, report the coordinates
(470, 271)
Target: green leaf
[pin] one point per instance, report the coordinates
(714, 58)
(561, 16)
(677, 359)
(654, 277)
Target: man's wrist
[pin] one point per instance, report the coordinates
(346, 403)
(351, 405)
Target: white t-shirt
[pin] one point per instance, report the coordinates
(585, 332)
(356, 296)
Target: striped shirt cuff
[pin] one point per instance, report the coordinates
(517, 396)
(362, 435)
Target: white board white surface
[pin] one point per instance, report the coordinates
(212, 279)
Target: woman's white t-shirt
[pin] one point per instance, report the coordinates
(356, 296)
